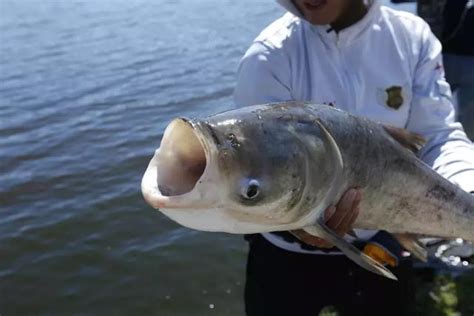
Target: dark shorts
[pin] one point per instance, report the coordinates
(280, 282)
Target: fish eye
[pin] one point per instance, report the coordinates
(252, 190)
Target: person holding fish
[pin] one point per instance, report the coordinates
(377, 63)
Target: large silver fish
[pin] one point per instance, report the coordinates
(279, 166)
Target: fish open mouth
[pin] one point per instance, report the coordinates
(178, 166)
(181, 159)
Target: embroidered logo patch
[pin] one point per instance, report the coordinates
(394, 97)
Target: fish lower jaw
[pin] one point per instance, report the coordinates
(154, 197)
(150, 191)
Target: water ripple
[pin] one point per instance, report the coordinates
(86, 90)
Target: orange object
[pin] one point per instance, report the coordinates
(380, 254)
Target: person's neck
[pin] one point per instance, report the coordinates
(354, 12)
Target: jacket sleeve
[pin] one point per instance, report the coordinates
(263, 76)
(448, 150)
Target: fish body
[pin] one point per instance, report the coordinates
(279, 166)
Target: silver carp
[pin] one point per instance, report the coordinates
(277, 167)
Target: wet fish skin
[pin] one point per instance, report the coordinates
(301, 158)
(282, 146)
(401, 193)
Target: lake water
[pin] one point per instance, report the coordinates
(86, 89)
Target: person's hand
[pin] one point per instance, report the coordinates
(339, 218)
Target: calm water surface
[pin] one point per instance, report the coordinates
(86, 89)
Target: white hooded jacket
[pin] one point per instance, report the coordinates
(386, 67)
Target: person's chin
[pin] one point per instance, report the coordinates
(318, 20)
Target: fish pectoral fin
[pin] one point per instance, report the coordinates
(411, 244)
(409, 140)
(322, 231)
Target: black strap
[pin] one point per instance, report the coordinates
(381, 237)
